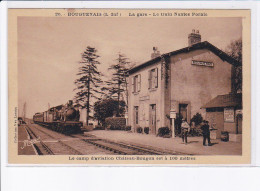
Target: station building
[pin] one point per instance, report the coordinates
(183, 80)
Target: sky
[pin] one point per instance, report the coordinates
(49, 48)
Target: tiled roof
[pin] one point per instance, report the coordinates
(201, 45)
(228, 100)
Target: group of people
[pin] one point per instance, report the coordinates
(185, 129)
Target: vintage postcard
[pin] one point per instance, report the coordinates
(129, 86)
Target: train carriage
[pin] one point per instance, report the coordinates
(38, 117)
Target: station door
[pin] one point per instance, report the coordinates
(152, 118)
(239, 124)
(183, 111)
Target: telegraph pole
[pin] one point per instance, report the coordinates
(24, 111)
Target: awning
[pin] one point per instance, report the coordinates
(227, 100)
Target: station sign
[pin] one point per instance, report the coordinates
(143, 98)
(202, 63)
(172, 114)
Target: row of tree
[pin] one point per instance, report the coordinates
(91, 85)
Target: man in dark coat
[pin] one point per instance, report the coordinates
(206, 133)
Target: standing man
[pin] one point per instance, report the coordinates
(206, 133)
(185, 128)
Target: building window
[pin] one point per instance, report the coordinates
(136, 114)
(153, 78)
(136, 83)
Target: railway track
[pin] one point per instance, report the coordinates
(122, 148)
(79, 144)
(118, 148)
(76, 145)
(39, 147)
(50, 148)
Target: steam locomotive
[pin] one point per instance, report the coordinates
(62, 118)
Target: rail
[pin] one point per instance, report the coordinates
(32, 135)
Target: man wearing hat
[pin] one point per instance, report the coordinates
(206, 133)
(185, 128)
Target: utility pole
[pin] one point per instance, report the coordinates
(24, 111)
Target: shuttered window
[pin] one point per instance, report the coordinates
(153, 78)
(136, 83)
(150, 79)
(156, 78)
(139, 83)
(133, 84)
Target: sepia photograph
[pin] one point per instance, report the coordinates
(131, 85)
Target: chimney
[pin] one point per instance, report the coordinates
(155, 53)
(194, 37)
